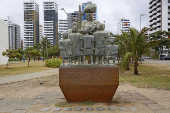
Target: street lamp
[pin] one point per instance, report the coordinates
(141, 15)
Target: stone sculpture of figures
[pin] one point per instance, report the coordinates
(111, 50)
(88, 42)
(77, 50)
(99, 40)
(65, 50)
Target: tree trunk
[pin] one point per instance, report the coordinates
(28, 62)
(136, 67)
(128, 66)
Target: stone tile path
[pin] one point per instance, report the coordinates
(22, 77)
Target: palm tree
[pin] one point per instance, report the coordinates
(139, 45)
(123, 41)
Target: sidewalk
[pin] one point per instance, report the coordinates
(22, 77)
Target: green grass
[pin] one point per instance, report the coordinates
(151, 76)
(21, 68)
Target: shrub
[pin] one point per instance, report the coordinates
(13, 59)
(53, 63)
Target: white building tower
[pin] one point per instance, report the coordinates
(159, 14)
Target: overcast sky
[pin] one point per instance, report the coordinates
(109, 11)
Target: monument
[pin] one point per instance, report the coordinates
(88, 72)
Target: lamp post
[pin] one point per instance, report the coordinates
(141, 15)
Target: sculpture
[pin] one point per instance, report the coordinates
(86, 73)
(89, 42)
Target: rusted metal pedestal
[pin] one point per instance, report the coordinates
(89, 83)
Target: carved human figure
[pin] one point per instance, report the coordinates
(99, 40)
(65, 50)
(77, 46)
(88, 42)
(111, 50)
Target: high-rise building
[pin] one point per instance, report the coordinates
(123, 25)
(73, 17)
(14, 36)
(41, 31)
(51, 22)
(31, 24)
(62, 28)
(82, 8)
(4, 41)
(159, 14)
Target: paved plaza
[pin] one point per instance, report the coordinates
(43, 95)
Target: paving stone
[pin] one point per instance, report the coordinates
(57, 109)
(122, 108)
(20, 109)
(89, 109)
(67, 109)
(45, 109)
(39, 97)
(2, 98)
(78, 109)
(155, 107)
(100, 109)
(113, 108)
(133, 109)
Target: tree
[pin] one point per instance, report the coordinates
(45, 44)
(53, 51)
(20, 53)
(158, 41)
(132, 45)
(29, 53)
(12, 54)
(139, 45)
(123, 42)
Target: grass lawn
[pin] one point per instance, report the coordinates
(21, 68)
(151, 76)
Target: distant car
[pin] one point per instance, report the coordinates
(164, 57)
(167, 58)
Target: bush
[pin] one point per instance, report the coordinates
(53, 63)
(13, 59)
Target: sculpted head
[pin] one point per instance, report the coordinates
(89, 10)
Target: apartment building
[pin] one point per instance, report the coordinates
(159, 15)
(31, 24)
(123, 25)
(14, 35)
(62, 28)
(73, 17)
(51, 22)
